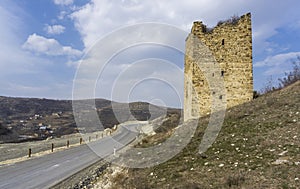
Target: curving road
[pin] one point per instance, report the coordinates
(46, 171)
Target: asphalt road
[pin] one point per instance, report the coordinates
(46, 171)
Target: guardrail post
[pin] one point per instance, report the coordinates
(68, 143)
(52, 147)
(80, 141)
(29, 152)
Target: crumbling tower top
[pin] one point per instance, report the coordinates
(230, 44)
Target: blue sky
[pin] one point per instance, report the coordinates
(43, 41)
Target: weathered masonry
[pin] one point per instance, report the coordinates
(222, 53)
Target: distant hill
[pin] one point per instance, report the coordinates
(23, 119)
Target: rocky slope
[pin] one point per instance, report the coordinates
(258, 147)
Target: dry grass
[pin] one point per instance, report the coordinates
(254, 135)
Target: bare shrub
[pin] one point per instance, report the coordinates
(269, 86)
(256, 94)
(289, 78)
(232, 20)
(292, 76)
(206, 29)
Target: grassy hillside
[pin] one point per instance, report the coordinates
(258, 147)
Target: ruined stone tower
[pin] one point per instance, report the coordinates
(223, 53)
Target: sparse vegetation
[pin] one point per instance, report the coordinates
(235, 180)
(269, 86)
(289, 78)
(292, 76)
(232, 20)
(3, 130)
(206, 29)
(256, 94)
(163, 131)
(171, 122)
(258, 147)
(31, 119)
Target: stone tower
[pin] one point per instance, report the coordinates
(223, 53)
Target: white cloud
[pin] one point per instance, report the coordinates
(278, 64)
(62, 15)
(50, 47)
(63, 2)
(126, 57)
(54, 90)
(12, 58)
(54, 29)
(100, 17)
(278, 59)
(144, 80)
(21, 73)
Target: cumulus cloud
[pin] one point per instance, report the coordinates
(62, 15)
(63, 2)
(54, 29)
(50, 47)
(139, 81)
(128, 56)
(278, 59)
(102, 17)
(277, 64)
(21, 73)
(99, 17)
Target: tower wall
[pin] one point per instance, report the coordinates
(230, 45)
